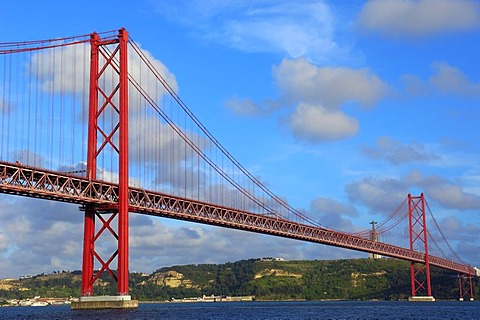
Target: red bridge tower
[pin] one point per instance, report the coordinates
(108, 56)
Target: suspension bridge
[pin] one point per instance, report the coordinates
(95, 120)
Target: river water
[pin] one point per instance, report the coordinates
(350, 310)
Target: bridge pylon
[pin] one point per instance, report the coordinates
(465, 287)
(419, 272)
(108, 99)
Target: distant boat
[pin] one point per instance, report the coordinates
(39, 304)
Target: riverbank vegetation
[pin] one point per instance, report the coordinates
(266, 279)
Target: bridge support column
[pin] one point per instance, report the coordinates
(88, 252)
(110, 142)
(465, 287)
(419, 273)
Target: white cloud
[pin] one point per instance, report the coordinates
(146, 79)
(316, 124)
(380, 194)
(455, 229)
(300, 80)
(298, 30)
(151, 137)
(448, 79)
(247, 107)
(243, 106)
(62, 70)
(25, 221)
(66, 70)
(451, 195)
(331, 213)
(292, 28)
(193, 243)
(318, 94)
(445, 80)
(414, 18)
(460, 235)
(397, 153)
(332, 206)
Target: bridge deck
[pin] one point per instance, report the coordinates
(39, 183)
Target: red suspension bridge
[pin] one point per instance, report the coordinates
(96, 121)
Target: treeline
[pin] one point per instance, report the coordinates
(363, 279)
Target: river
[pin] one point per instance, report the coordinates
(337, 310)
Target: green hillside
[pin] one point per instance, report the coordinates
(266, 279)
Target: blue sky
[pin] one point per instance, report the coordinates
(342, 107)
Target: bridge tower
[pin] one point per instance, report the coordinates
(108, 97)
(419, 272)
(465, 286)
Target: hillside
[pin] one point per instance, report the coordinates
(266, 279)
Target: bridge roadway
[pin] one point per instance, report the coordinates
(27, 181)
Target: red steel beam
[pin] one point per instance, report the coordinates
(40, 183)
(123, 197)
(91, 172)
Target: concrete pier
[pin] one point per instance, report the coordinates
(461, 299)
(421, 299)
(105, 302)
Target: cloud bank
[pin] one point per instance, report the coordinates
(378, 193)
(418, 18)
(318, 95)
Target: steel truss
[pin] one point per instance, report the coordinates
(39, 183)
